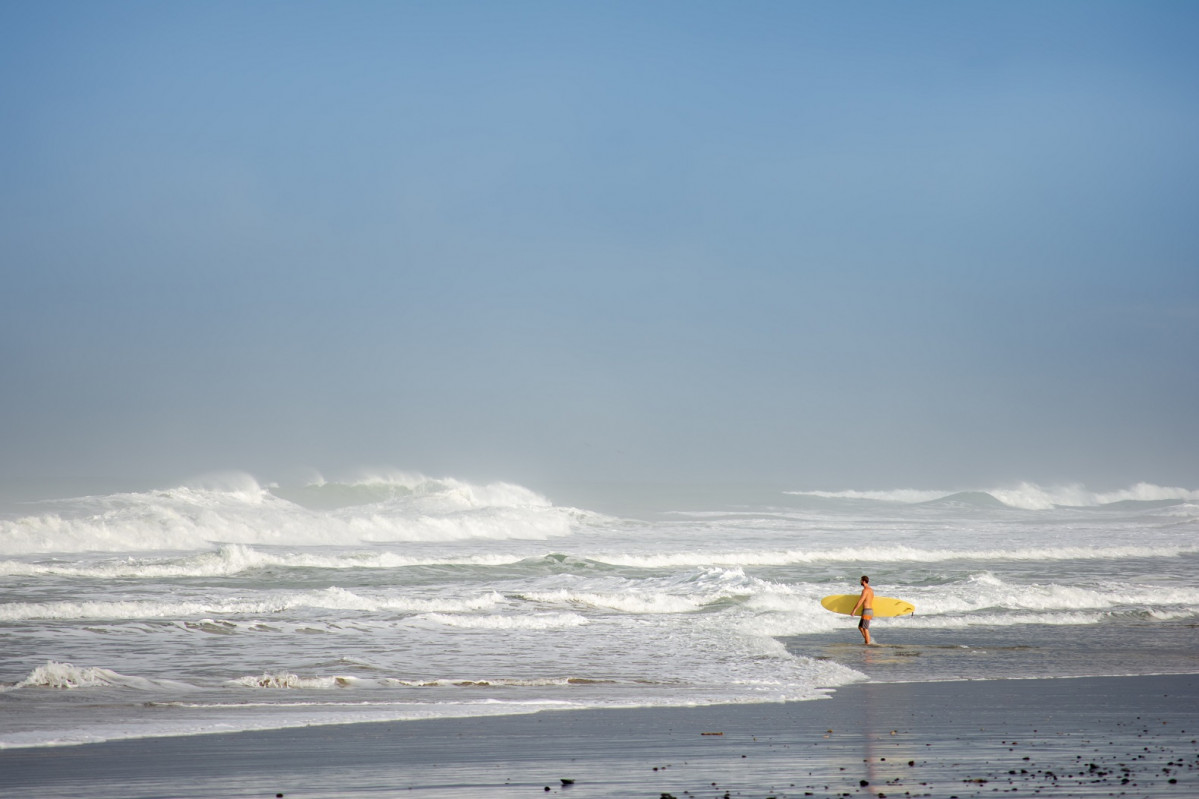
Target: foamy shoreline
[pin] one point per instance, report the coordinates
(1090, 736)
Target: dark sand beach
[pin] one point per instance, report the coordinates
(1095, 736)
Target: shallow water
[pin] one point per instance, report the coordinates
(235, 606)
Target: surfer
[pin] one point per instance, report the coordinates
(866, 603)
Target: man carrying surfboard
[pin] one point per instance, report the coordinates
(866, 603)
(868, 606)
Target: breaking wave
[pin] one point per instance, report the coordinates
(67, 676)
(237, 510)
(539, 621)
(1026, 496)
(333, 598)
(232, 559)
(288, 680)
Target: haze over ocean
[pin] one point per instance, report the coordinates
(824, 246)
(443, 364)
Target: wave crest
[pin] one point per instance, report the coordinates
(67, 676)
(235, 509)
(1025, 496)
(294, 681)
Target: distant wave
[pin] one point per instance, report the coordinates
(904, 495)
(886, 554)
(1027, 496)
(235, 509)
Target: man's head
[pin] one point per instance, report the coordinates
(865, 580)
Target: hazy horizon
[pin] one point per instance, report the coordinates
(812, 245)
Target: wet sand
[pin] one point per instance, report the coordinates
(1096, 736)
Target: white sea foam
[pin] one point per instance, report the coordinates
(987, 592)
(332, 598)
(979, 601)
(288, 680)
(1032, 496)
(233, 559)
(957, 622)
(903, 495)
(537, 621)
(1027, 496)
(886, 554)
(196, 517)
(1173, 615)
(545, 682)
(396, 596)
(626, 603)
(67, 676)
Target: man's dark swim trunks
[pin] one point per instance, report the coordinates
(864, 624)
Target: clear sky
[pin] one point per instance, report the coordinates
(825, 244)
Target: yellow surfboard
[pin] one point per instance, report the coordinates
(883, 605)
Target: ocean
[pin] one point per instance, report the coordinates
(226, 604)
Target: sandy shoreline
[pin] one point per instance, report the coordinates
(1094, 736)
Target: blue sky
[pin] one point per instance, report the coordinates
(828, 245)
